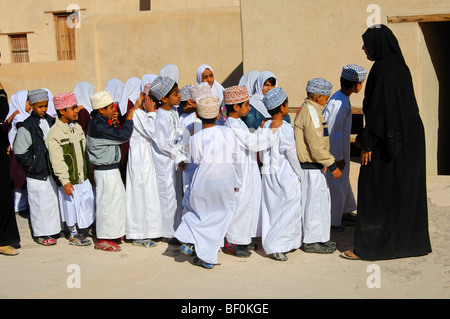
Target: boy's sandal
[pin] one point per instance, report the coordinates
(236, 250)
(204, 264)
(279, 256)
(107, 246)
(46, 241)
(350, 255)
(145, 243)
(9, 251)
(319, 248)
(187, 249)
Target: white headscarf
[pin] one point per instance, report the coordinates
(256, 98)
(171, 71)
(115, 88)
(146, 79)
(217, 88)
(51, 106)
(17, 103)
(248, 80)
(83, 91)
(131, 91)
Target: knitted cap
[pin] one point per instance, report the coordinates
(36, 96)
(64, 100)
(354, 73)
(200, 90)
(161, 86)
(274, 98)
(235, 95)
(208, 107)
(101, 99)
(319, 86)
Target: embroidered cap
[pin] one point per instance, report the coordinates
(185, 92)
(64, 100)
(200, 90)
(161, 86)
(274, 98)
(101, 99)
(208, 107)
(38, 95)
(235, 95)
(354, 73)
(319, 86)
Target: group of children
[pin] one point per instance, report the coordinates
(182, 165)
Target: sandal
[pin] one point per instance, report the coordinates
(236, 250)
(204, 264)
(350, 255)
(9, 251)
(46, 241)
(187, 249)
(279, 256)
(145, 243)
(319, 248)
(107, 246)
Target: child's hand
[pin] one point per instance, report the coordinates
(11, 118)
(68, 188)
(149, 104)
(276, 124)
(337, 173)
(131, 112)
(341, 164)
(182, 166)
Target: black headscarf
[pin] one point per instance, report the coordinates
(389, 102)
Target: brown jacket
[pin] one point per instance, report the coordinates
(311, 137)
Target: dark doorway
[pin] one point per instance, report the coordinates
(437, 39)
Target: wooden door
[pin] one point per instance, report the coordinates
(65, 38)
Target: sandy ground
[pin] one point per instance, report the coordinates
(163, 273)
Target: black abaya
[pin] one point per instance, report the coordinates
(392, 218)
(9, 233)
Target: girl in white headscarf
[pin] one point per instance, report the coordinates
(130, 93)
(171, 71)
(19, 111)
(115, 88)
(265, 82)
(205, 73)
(248, 80)
(83, 91)
(147, 79)
(51, 106)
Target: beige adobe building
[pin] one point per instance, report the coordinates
(43, 46)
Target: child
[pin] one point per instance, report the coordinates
(167, 154)
(144, 220)
(19, 111)
(281, 196)
(32, 155)
(103, 146)
(313, 150)
(212, 197)
(205, 73)
(190, 124)
(246, 219)
(66, 144)
(265, 82)
(338, 115)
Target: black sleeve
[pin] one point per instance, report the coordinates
(4, 107)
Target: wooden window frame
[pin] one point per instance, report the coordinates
(14, 51)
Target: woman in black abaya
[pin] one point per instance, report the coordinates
(392, 218)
